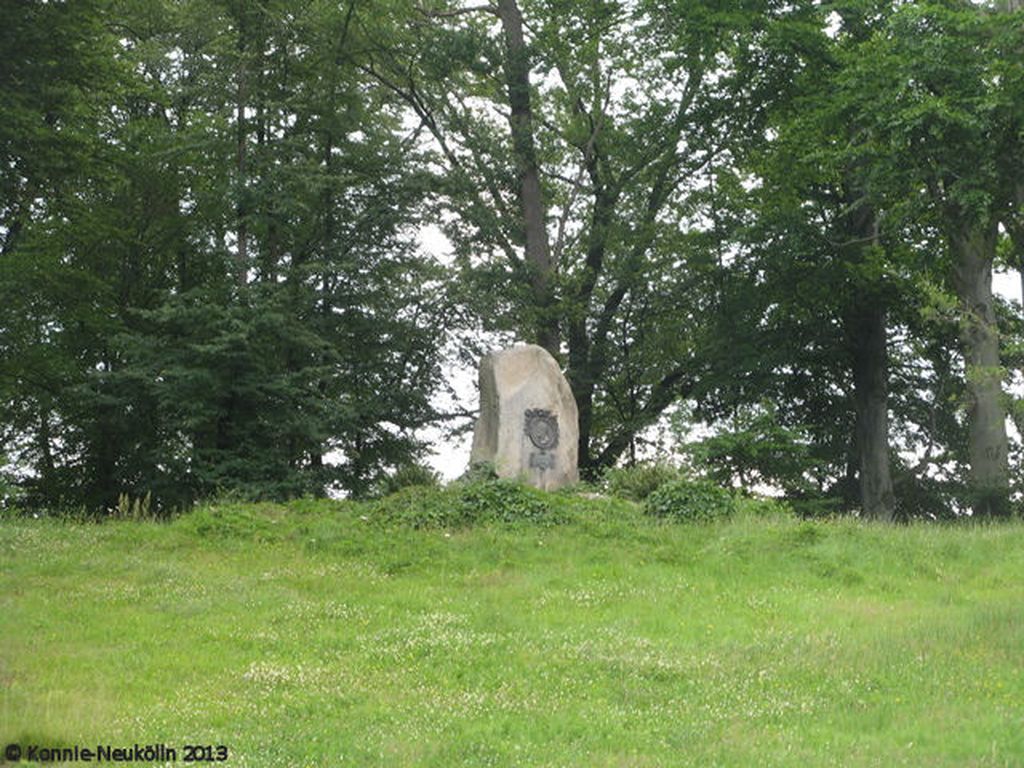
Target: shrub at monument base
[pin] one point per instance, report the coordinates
(470, 502)
(507, 502)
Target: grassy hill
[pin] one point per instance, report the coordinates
(312, 634)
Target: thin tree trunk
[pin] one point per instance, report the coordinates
(538, 251)
(45, 440)
(1020, 272)
(1014, 223)
(974, 250)
(241, 160)
(326, 246)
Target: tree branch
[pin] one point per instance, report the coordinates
(411, 96)
(492, 9)
(668, 389)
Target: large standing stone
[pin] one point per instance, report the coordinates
(528, 425)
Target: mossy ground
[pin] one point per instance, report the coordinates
(309, 634)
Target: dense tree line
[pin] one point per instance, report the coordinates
(209, 279)
(776, 218)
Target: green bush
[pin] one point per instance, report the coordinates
(505, 501)
(639, 481)
(691, 501)
(410, 475)
(479, 471)
(463, 504)
(418, 506)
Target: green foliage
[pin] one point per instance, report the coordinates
(635, 275)
(408, 475)
(753, 447)
(210, 280)
(480, 471)
(700, 501)
(419, 506)
(506, 501)
(192, 302)
(464, 504)
(638, 481)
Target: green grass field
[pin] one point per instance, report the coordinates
(306, 635)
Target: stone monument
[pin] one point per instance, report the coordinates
(528, 425)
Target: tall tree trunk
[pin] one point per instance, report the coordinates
(585, 362)
(584, 396)
(865, 329)
(241, 158)
(866, 334)
(538, 252)
(974, 248)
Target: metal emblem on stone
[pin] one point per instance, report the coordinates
(542, 428)
(542, 461)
